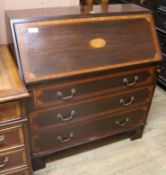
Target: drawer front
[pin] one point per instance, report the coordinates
(10, 111)
(162, 38)
(160, 19)
(74, 90)
(90, 108)
(162, 75)
(12, 160)
(11, 137)
(59, 138)
(18, 172)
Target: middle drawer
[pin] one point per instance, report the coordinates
(11, 137)
(90, 108)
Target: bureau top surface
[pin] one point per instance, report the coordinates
(41, 13)
(11, 86)
(75, 44)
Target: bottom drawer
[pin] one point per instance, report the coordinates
(64, 136)
(12, 160)
(19, 172)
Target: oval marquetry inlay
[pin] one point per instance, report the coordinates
(97, 43)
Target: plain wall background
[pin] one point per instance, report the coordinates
(26, 4)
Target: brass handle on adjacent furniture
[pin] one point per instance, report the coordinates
(126, 81)
(63, 119)
(2, 138)
(5, 161)
(64, 98)
(122, 123)
(122, 101)
(64, 140)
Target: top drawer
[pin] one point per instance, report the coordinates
(10, 111)
(78, 89)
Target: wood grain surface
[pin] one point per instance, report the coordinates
(146, 156)
(46, 95)
(73, 55)
(11, 86)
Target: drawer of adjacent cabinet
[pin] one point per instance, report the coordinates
(162, 38)
(162, 3)
(59, 138)
(10, 111)
(12, 160)
(11, 137)
(160, 19)
(73, 90)
(90, 108)
(162, 75)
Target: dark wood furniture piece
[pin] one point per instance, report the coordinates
(150, 4)
(14, 149)
(88, 75)
(160, 19)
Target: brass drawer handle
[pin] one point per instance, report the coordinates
(63, 118)
(2, 138)
(67, 139)
(64, 98)
(122, 123)
(126, 81)
(122, 101)
(5, 161)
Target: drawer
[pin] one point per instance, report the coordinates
(10, 111)
(11, 137)
(73, 90)
(18, 172)
(162, 75)
(162, 38)
(55, 139)
(160, 19)
(162, 3)
(90, 108)
(12, 160)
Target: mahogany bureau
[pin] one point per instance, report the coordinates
(14, 151)
(90, 74)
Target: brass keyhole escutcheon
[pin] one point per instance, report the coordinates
(97, 43)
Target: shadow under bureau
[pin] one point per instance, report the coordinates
(90, 74)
